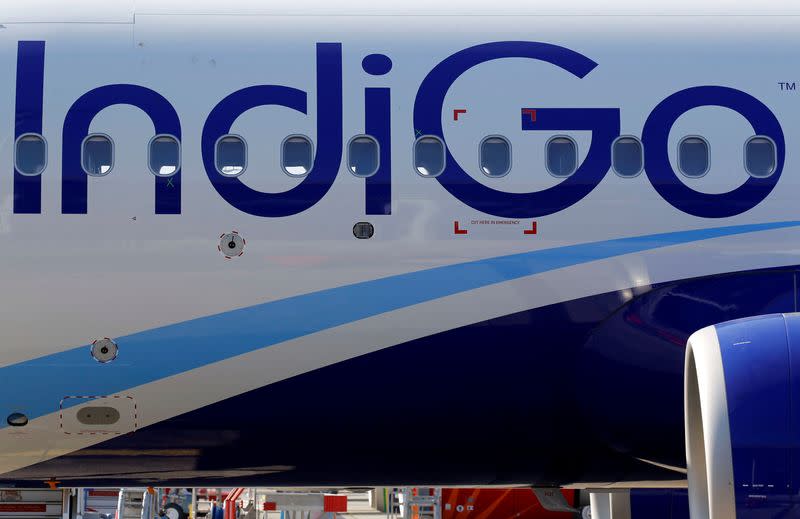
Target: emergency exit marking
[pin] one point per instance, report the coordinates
(532, 230)
(457, 112)
(530, 112)
(528, 230)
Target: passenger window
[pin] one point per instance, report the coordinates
(562, 156)
(97, 155)
(164, 155)
(231, 155)
(30, 154)
(495, 156)
(363, 156)
(297, 155)
(429, 156)
(627, 157)
(693, 157)
(760, 157)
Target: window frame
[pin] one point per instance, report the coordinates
(113, 154)
(377, 165)
(774, 155)
(46, 153)
(678, 157)
(414, 155)
(510, 155)
(547, 156)
(246, 155)
(641, 148)
(283, 163)
(150, 150)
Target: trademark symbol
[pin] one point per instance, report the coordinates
(788, 87)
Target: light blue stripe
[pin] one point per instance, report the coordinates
(37, 386)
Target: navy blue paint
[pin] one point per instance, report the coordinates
(428, 111)
(28, 119)
(508, 400)
(632, 364)
(378, 123)
(604, 123)
(376, 64)
(655, 138)
(329, 134)
(755, 355)
(74, 188)
(187, 345)
(761, 367)
(793, 338)
(491, 404)
(659, 504)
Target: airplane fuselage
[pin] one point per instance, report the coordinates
(490, 326)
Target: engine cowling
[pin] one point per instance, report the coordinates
(742, 415)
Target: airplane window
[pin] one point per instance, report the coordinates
(760, 156)
(562, 156)
(31, 154)
(231, 155)
(297, 156)
(627, 156)
(363, 156)
(97, 155)
(693, 156)
(429, 156)
(495, 156)
(165, 155)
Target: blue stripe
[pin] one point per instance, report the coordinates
(37, 386)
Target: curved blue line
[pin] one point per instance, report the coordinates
(36, 387)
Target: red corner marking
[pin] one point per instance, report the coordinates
(531, 112)
(458, 112)
(456, 230)
(532, 230)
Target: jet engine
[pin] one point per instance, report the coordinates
(742, 416)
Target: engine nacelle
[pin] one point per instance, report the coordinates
(742, 412)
